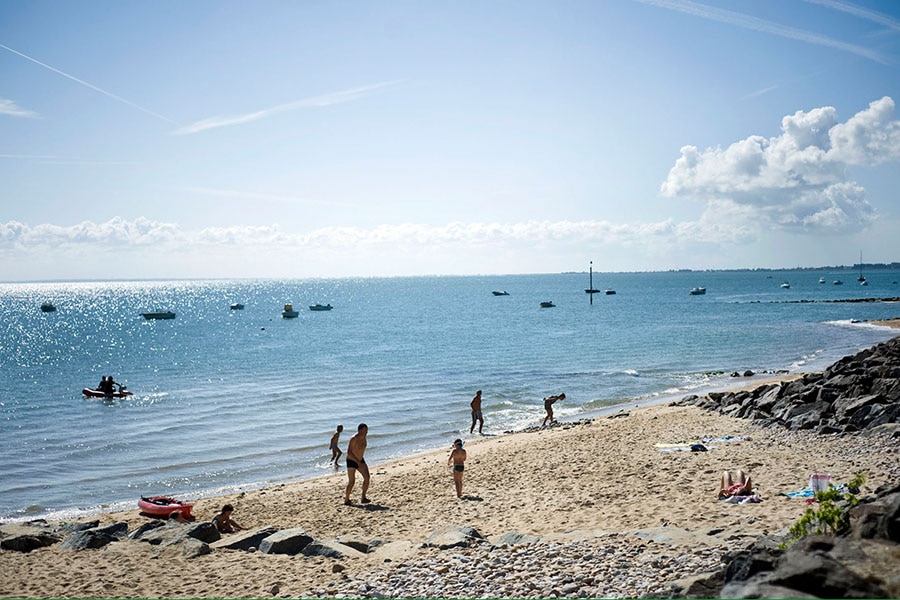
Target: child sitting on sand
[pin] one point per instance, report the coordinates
(223, 521)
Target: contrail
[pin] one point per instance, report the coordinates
(756, 24)
(93, 87)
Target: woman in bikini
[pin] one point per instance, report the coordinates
(457, 459)
(737, 485)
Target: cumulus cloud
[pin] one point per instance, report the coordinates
(8, 107)
(797, 180)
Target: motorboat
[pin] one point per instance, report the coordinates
(92, 393)
(821, 280)
(158, 314)
(863, 282)
(591, 291)
(785, 285)
(838, 282)
(47, 307)
(698, 291)
(163, 506)
(500, 293)
(610, 292)
(237, 306)
(289, 312)
(318, 307)
(547, 305)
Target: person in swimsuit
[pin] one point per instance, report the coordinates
(223, 521)
(335, 451)
(457, 458)
(548, 406)
(737, 485)
(356, 447)
(476, 412)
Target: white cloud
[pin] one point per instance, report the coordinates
(8, 107)
(796, 180)
(313, 102)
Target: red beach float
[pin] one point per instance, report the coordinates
(163, 506)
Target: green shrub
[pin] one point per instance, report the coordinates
(831, 516)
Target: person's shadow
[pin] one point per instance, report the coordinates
(372, 506)
(472, 498)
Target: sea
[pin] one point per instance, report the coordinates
(227, 400)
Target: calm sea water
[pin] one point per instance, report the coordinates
(233, 399)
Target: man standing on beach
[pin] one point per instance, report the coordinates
(476, 412)
(356, 447)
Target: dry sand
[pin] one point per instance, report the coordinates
(583, 479)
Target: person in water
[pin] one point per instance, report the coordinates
(335, 451)
(476, 412)
(356, 447)
(457, 459)
(223, 521)
(548, 406)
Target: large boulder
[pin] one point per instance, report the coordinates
(243, 540)
(25, 537)
(330, 550)
(95, 537)
(286, 541)
(453, 536)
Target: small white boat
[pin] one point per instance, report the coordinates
(698, 291)
(821, 280)
(47, 307)
(785, 285)
(320, 307)
(158, 314)
(863, 282)
(289, 312)
(237, 306)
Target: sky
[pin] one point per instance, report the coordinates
(305, 139)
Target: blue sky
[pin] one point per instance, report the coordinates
(328, 139)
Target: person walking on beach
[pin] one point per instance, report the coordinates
(457, 459)
(476, 412)
(356, 447)
(335, 451)
(548, 406)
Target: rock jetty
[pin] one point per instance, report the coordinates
(856, 393)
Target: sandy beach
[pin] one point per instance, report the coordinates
(587, 482)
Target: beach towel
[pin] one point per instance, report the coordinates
(807, 493)
(724, 439)
(751, 499)
(695, 447)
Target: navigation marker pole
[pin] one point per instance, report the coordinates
(591, 286)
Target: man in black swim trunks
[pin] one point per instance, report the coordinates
(356, 447)
(548, 406)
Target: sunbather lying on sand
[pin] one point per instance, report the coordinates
(738, 485)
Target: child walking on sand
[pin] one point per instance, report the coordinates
(335, 451)
(457, 459)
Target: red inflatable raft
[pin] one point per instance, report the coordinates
(92, 393)
(163, 506)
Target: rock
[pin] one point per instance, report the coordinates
(453, 536)
(25, 537)
(173, 532)
(286, 541)
(193, 547)
(145, 527)
(66, 528)
(243, 540)
(514, 538)
(329, 550)
(96, 537)
(358, 543)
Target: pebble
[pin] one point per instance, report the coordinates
(604, 567)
